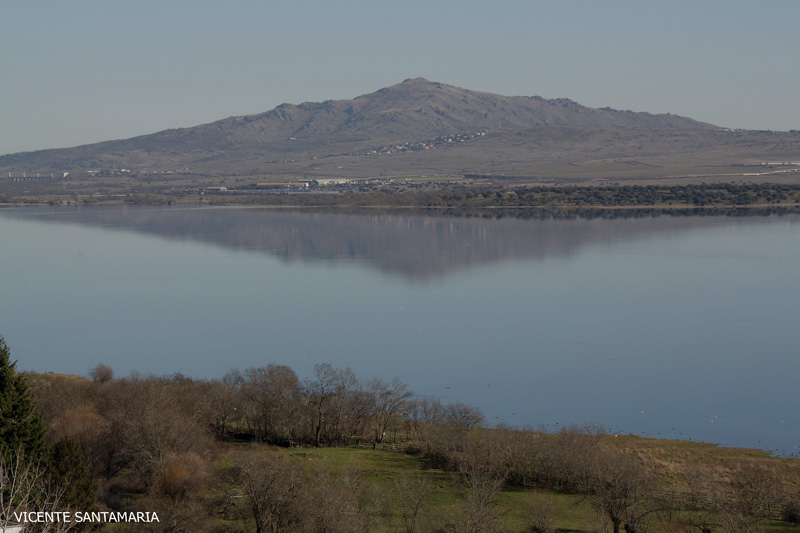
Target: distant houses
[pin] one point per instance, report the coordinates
(292, 185)
(780, 164)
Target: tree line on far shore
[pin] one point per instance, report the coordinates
(461, 195)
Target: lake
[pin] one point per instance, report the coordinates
(667, 326)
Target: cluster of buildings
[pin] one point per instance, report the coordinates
(24, 176)
(330, 184)
(780, 164)
(444, 140)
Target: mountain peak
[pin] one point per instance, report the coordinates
(412, 110)
(418, 79)
(408, 86)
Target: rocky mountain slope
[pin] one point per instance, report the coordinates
(411, 111)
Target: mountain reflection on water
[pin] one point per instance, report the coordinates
(417, 245)
(639, 321)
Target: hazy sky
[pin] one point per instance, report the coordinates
(84, 71)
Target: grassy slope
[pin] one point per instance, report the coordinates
(573, 513)
(383, 467)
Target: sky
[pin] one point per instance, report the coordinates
(86, 71)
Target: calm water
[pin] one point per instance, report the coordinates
(666, 326)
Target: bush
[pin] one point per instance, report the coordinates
(101, 373)
(539, 514)
(791, 512)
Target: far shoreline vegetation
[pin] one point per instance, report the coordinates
(457, 196)
(262, 450)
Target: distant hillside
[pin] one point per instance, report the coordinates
(414, 110)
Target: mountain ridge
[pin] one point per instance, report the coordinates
(409, 111)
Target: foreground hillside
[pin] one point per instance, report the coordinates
(261, 450)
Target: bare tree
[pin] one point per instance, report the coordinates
(101, 373)
(151, 419)
(623, 489)
(698, 506)
(18, 481)
(414, 494)
(340, 502)
(222, 404)
(388, 402)
(479, 488)
(539, 513)
(425, 415)
(463, 416)
(55, 395)
(735, 501)
(277, 396)
(320, 392)
(753, 491)
(25, 487)
(270, 489)
(430, 410)
(350, 407)
(573, 456)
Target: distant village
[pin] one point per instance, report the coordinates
(316, 184)
(445, 140)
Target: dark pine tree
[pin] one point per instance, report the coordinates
(22, 429)
(68, 466)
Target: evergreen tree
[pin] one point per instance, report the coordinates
(21, 427)
(69, 468)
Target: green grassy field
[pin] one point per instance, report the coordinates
(571, 513)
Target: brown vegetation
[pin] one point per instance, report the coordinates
(201, 455)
